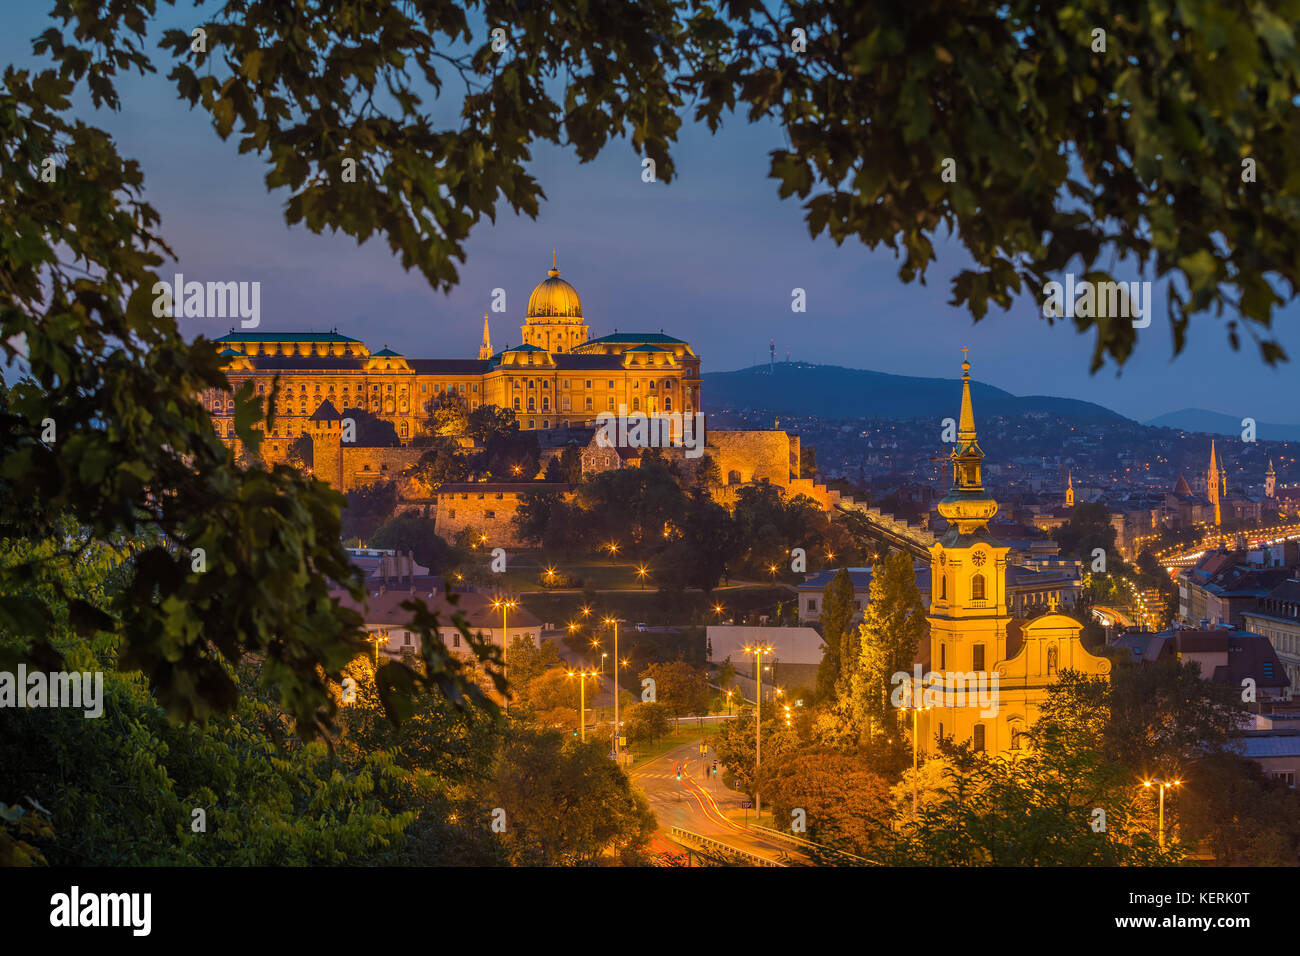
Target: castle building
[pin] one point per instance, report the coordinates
(972, 634)
(556, 377)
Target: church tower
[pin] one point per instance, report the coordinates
(1069, 490)
(968, 572)
(485, 350)
(974, 643)
(1212, 484)
(1270, 481)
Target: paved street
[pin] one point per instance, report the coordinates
(697, 802)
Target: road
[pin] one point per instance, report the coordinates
(697, 803)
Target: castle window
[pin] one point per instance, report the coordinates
(978, 741)
(462, 388)
(636, 383)
(546, 404)
(546, 423)
(260, 389)
(636, 404)
(424, 388)
(474, 387)
(589, 383)
(365, 467)
(545, 384)
(609, 384)
(611, 403)
(452, 514)
(517, 383)
(489, 514)
(566, 383)
(977, 657)
(668, 403)
(532, 404)
(1015, 736)
(668, 383)
(652, 383)
(532, 383)
(532, 423)
(516, 403)
(589, 403)
(977, 588)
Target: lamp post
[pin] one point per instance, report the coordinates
(642, 572)
(916, 739)
(758, 650)
(728, 703)
(1163, 785)
(613, 622)
(506, 606)
(582, 676)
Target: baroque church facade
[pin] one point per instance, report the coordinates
(556, 377)
(972, 633)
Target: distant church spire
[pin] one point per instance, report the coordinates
(1069, 490)
(1212, 484)
(1270, 481)
(485, 350)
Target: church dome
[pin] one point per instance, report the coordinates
(554, 298)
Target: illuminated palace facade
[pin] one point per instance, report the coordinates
(556, 377)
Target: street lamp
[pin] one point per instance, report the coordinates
(582, 700)
(758, 650)
(1163, 785)
(505, 605)
(729, 703)
(612, 548)
(642, 573)
(916, 739)
(613, 622)
(772, 570)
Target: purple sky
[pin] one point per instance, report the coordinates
(711, 258)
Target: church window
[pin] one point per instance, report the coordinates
(978, 743)
(977, 657)
(943, 656)
(1015, 736)
(943, 587)
(302, 389)
(977, 588)
(941, 731)
(668, 383)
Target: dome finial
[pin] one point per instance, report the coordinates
(554, 270)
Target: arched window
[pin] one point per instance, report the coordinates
(636, 404)
(589, 404)
(943, 587)
(532, 404)
(516, 404)
(978, 741)
(546, 403)
(977, 588)
(668, 403)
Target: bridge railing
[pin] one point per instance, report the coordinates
(807, 845)
(684, 834)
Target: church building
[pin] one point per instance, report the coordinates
(972, 634)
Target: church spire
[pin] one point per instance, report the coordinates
(1212, 485)
(967, 506)
(485, 350)
(1270, 481)
(1069, 489)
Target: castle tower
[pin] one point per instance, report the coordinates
(1270, 481)
(554, 321)
(1069, 490)
(485, 350)
(326, 429)
(1212, 484)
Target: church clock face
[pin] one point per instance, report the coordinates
(977, 559)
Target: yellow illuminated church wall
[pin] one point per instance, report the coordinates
(969, 621)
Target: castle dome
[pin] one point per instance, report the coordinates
(554, 298)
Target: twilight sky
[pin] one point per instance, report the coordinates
(711, 258)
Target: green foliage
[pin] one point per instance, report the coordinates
(679, 687)
(442, 462)
(737, 749)
(646, 721)
(447, 415)
(836, 613)
(892, 627)
(414, 532)
(301, 453)
(565, 801)
(1089, 528)
(367, 508)
(847, 804)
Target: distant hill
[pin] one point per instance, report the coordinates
(830, 391)
(1216, 423)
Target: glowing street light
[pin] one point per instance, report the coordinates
(916, 718)
(506, 605)
(612, 548)
(758, 650)
(1163, 785)
(612, 621)
(582, 676)
(642, 572)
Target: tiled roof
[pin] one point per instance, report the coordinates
(325, 412)
(448, 366)
(861, 578)
(620, 337)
